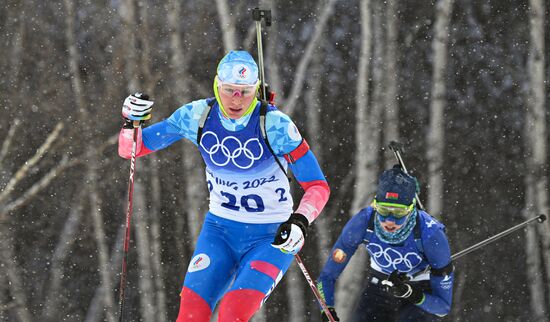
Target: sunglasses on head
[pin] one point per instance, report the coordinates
(392, 209)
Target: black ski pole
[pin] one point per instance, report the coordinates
(257, 15)
(123, 273)
(540, 218)
(397, 148)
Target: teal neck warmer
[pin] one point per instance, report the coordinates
(398, 236)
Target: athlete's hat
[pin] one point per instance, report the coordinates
(238, 67)
(395, 186)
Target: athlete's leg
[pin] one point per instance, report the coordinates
(412, 313)
(260, 271)
(208, 275)
(375, 305)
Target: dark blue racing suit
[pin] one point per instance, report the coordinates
(426, 247)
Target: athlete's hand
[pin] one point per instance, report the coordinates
(397, 285)
(291, 234)
(137, 108)
(332, 311)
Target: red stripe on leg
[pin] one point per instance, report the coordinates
(240, 305)
(266, 268)
(193, 307)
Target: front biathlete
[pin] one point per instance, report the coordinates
(250, 232)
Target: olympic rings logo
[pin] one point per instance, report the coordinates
(390, 257)
(230, 149)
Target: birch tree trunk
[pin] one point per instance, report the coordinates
(145, 277)
(391, 110)
(226, 25)
(314, 106)
(141, 223)
(159, 311)
(195, 195)
(291, 100)
(351, 279)
(51, 310)
(9, 270)
(177, 66)
(538, 238)
(295, 293)
(93, 314)
(436, 135)
(156, 247)
(93, 162)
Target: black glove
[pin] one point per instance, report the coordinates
(290, 236)
(332, 311)
(397, 285)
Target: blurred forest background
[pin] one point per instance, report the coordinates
(462, 84)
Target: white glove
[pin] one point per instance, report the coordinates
(137, 107)
(291, 235)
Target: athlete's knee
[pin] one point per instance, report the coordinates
(193, 307)
(240, 305)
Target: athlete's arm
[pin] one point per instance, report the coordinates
(183, 123)
(342, 251)
(286, 141)
(437, 251)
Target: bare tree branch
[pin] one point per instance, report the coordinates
(9, 138)
(37, 187)
(22, 172)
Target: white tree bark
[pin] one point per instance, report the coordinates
(538, 245)
(93, 314)
(156, 247)
(9, 268)
(179, 72)
(365, 121)
(51, 310)
(143, 247)
(351, 279)
(436, 135)
(195, 195)
(291, 100)
(158, 313)
(226, 25)
(93, 162)
(295, 293)
(391, 115)
(314, 106)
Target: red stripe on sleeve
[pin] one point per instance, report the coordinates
(297, 153)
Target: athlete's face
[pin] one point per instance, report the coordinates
(390, 226)
(236, 98)
(391, 223)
